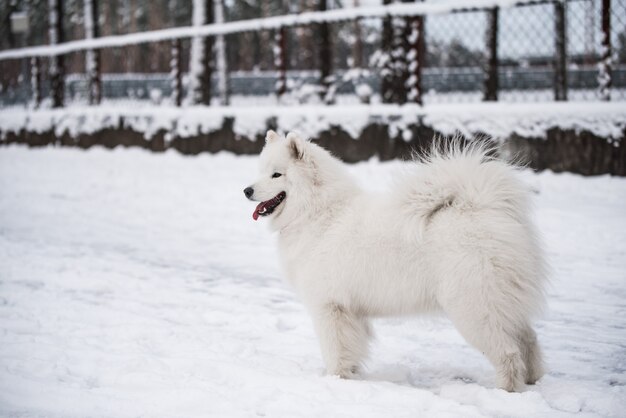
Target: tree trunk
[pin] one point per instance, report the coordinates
(200, 56)
(57, 67)
(222, 63)
(35, 80)
(385, 55)
(280, 60)
(325, 58)
(92, 56)
(357, 48)
(175, 73)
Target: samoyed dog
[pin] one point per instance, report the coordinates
(452, 236)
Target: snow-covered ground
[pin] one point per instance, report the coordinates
(137, 284)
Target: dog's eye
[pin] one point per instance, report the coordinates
(276, 175)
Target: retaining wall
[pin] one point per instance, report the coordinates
(560, 150)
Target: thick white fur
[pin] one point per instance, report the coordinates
(454, 235)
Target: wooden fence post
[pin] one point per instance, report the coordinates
(491, 73)
(560, 70)
(57, 67)
(605, 79)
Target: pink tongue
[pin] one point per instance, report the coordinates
(255, 215)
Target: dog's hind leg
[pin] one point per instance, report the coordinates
(531, 354)
(485, 331)
(486, 315)
(343, 339)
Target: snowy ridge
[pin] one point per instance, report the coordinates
(499, 120)
(268, 23)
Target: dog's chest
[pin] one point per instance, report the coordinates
(298, 251)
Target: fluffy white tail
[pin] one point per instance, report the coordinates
(467, 179)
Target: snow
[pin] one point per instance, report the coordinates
(268, 23)
(137, 284)
(499, 120)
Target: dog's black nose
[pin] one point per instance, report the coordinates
(248, 191)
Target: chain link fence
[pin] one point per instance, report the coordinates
(454, 65)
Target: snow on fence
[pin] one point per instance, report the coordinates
(269, 23)
(405, 54)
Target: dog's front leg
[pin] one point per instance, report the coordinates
(343, 339)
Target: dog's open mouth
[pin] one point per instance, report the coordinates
(267, 207)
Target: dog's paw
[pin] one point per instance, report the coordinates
(346, 372)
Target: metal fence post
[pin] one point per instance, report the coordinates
(560, 70)
(57, 67)
(605, 79)
(491, 71)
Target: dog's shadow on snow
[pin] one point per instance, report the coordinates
(425, 378)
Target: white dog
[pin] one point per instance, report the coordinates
(454, 236)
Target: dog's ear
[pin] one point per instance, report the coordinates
(271, 136)
(296, 146)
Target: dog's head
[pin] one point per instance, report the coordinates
(287, 177)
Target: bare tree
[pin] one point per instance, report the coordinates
(200, 56)
(92, 56)
(220, 50)
(57, 67)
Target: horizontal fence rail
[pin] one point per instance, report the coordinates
(422, 52)
(268, 23)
